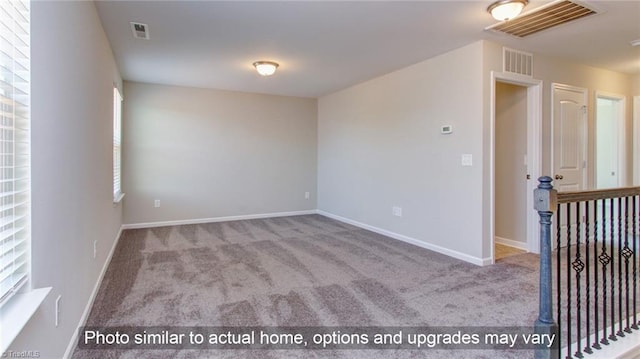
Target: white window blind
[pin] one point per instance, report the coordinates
(117, 145)
(14, 147)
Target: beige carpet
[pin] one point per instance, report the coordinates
(303, 271)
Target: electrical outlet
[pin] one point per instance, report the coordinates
(156, 203)
(95, 249)
(58, 310)
(466, 160)
(396, 211)
(306, 195)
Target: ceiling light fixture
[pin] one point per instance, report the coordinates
(266, 68)
(505, 10)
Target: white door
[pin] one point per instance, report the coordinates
(609, 141)
(569, 150)
(569, 138)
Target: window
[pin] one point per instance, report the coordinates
(117, 145)
(14, 147)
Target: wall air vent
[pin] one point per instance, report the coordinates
(542, 18)
(517, 62)
(140, 31)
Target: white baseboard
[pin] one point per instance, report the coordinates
(216, 219)
(415, 242)
(511, 243)
(85, 315)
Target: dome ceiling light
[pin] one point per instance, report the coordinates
(505, 10)
(266, 68)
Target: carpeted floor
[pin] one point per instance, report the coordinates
(303, 271)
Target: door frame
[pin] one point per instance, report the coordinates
(585, 132)
(534, 153)
(620, 127)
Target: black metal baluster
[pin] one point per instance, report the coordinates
(620, 332)
(568, 279)
(612, 276)
(596, 343)
(578, 267)
(604, 260)
(558, 273)
(587, 348)
(626, 253)
(636, 224)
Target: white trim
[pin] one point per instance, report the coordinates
(534, 154)
(15, 314)
(621, 122)
(511, 243)
(118, 199)
(216, 219)
(85, 315)
(415, 242)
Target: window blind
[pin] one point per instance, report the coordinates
(117, 145)
(14, 147)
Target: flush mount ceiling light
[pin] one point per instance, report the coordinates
(504, 10)
(266, 68)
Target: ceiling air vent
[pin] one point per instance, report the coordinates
(517, 62)
(542, 18)
(140, 31)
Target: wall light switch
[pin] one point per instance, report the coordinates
(467, 160)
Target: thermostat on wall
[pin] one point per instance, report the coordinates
(446, 129)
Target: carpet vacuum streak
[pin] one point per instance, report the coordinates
(303, 271)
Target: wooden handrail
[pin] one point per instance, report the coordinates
(580, 196)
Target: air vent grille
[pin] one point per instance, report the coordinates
(140, 31)
(545, 17)
(517, 62)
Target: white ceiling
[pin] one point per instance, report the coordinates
(325, 46)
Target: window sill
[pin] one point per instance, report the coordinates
(118, 199)
(15, 314)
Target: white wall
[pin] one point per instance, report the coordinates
(554, 70)
(211, 153)
(379, 146)
(73, 73)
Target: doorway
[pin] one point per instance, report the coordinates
(610, 169)
(525, 166)
(510, 169)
